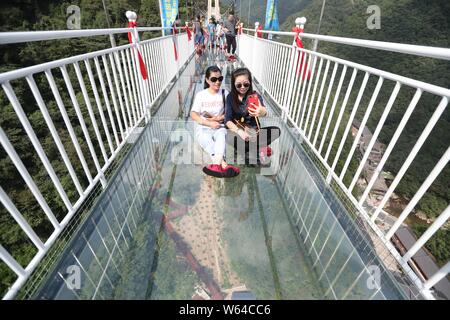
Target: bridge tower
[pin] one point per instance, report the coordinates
(214, 11)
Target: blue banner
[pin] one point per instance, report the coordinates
(272, 22)
(169, 12)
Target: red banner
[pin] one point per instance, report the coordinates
(141, 61)
(259, 34)
(175, 31)
(189, 32)
(302, 56)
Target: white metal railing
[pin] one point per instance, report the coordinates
(109, 95)
(319, 109)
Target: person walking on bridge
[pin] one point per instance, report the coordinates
(229, 26)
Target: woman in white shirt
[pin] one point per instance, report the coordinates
(220, 35)
(209, 113)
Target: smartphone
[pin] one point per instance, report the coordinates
(252, 102)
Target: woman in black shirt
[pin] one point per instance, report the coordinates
(241, 117)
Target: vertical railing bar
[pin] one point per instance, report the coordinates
(82, 123)
(277, 75)
(419, 194)
(319, 99)
(290, 81)
(12, 263)
(125, 108)
(333, 108)
(438, 276)
(36, 144)
(150, 72)
(362, 126)
(156, 72)
(90, 111)
(350, 122)
(392, 144)
(68, 124)
(271, 68)
(135, 76)
(99, 105)
(425, 133)
(137, 80)
(303, 82)
(285, 66)
(127, 70)
(375, 135)
(54, 133)
(107, 101)
(325, 105)
(341, 113)
(21, 221)
(113, 94)
(313, 73)
(298, 85)
(313, 95)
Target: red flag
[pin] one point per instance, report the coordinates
(259, 34)
(189, 32)
(132, 24)
(302, 56)
(175, 31)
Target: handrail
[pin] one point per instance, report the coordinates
(316, 104)
(423, 51)
(30, 36)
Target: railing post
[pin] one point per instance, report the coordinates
(132, 17)
(255, 39)
(300, 23)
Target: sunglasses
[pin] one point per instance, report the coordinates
(214, 79)
(240, 85)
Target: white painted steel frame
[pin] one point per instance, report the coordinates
(294, 111)
(123, 118)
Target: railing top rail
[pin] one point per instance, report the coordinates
(19, 73)
(423, 51)
(29, 36)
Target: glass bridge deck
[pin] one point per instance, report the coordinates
(164, 230)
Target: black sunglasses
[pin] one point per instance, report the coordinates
(240, 85)
(214, 79)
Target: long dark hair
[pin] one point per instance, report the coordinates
(234, 92)
(208, 72)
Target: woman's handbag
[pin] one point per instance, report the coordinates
(252, 132)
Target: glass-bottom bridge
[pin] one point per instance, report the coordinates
(163, 230)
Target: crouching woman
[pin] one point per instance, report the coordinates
(208, 112)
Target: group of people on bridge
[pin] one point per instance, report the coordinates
(231, 119)
(217, 34)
